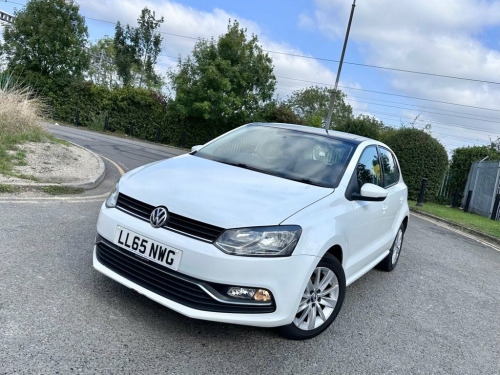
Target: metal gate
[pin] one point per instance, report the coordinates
(482, 191)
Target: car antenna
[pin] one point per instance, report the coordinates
(334, 93)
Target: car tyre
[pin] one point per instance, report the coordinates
(390, 261)
(321, 301)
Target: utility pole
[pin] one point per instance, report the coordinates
(334, 93)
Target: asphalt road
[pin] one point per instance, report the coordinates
(438, 312)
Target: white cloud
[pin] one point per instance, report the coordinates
(445, 37)
(187, 21)
(306, 22)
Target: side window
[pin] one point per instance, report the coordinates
(369, 168)
(389, 167)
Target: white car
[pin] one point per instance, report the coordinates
(265, 226)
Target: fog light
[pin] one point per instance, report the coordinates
(262, 295)
(237, 292)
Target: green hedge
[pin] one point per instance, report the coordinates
(420, 156)
(141, 108)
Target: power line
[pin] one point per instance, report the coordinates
(8, 1)
(418, 107)
(455, 113)
(392, 94)
(385, 68)
(337, 61)
(389, 94)
(421, 120)
(454, 126)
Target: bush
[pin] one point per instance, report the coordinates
(420, 155)
(363, 125)
(462, 160)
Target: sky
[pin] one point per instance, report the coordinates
(396, 56)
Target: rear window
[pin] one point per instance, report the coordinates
(389, 166)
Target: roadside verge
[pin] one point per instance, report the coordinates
(486, 237)
(70, 167)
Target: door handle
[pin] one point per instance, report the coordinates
(384, 208)
(401, 200)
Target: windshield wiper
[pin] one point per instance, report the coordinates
(246, 166)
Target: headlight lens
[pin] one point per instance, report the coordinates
(260, 241)
(113, 197)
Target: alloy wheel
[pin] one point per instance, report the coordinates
(397, 246)
(319, 299)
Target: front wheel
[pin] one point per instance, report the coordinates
(320, 302)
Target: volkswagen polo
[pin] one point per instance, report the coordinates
(265, 226)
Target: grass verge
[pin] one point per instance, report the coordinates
(454, 215)
(59, 190)
(8, 189)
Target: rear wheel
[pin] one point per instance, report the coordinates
(390, 261)
(320, 302)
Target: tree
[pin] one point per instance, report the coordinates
(149, 47)
(363, 125)
(420, 155)
(125, 44)
(47, 37)
(137, 49)
(223, 85)
(102, 68)
(312, 103)
(281, 113)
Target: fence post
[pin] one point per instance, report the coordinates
(420, 200)
(467, 202)
(77, 118)
(495, 208)
(131, 130)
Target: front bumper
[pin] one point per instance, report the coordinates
(202, 263)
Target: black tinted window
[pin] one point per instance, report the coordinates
(389, 166)
(369, 167)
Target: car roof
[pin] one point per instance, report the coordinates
(353, 138)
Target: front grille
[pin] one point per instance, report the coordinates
(169, 283)
(176, 223)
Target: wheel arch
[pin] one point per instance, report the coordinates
(405, 222)
(337, 252)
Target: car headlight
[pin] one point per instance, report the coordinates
(260, 241)
(113, 197)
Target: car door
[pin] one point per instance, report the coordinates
(396, 190)
(368, 226)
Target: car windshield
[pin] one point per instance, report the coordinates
(295, 155)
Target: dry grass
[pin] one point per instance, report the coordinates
(20, 115)
(20, 111)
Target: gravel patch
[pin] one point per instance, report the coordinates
(50, 162)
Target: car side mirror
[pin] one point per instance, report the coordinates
(195, 148)
(370, 192)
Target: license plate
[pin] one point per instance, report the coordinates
(148, 248)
